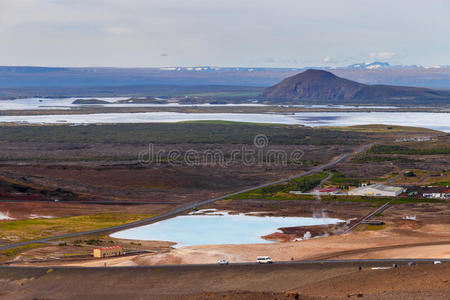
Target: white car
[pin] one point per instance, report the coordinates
(263, 260)
(222, 262)
(437, 262)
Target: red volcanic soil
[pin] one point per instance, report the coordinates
(128, 182)
(299, 281)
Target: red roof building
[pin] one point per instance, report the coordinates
(108, 251)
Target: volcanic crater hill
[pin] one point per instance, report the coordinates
(324, 85)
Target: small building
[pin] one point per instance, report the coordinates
(108, 251)
(377, 190)
(433, 192)
(437, 195)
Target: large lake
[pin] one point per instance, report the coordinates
(67, 103)
(438, 121)
(192, 230)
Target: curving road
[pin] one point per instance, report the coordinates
(186, 207)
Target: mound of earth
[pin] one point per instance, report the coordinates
(323, 85)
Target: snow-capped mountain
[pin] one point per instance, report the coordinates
(372, 65)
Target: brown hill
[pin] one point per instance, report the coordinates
(314, 84)
(323, 85)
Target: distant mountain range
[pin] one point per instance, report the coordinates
(21, 81)
(363, 65)
(324, 85)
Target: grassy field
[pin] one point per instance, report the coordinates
(381, 128)
(278, 192)
(7, 255)
(213, 132)
(421, 177)
(344, 182)
(21, 230)
(416, 148)
(378, 158)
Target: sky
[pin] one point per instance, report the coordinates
(247, 33)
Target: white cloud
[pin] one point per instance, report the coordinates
(382, 55)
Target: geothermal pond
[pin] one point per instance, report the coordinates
(214, 229)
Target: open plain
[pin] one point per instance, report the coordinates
(62, 179)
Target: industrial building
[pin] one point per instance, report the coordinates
(376, 190)
(108, 252)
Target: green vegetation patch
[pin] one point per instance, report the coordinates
(344, 182)
(441, 183)
(16, 251)
(281, 191)
(40, 228)
(375, 227)
(412, 149)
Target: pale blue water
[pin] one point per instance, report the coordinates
(66, 103)
(193, 230)
(438, 121)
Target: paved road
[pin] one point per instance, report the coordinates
(397, 261)
(184, 208)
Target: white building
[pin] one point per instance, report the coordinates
(377, 190)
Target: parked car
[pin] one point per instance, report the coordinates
(263, 260)
(222, 262)
(437, 262)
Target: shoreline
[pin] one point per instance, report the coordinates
(269, 109)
